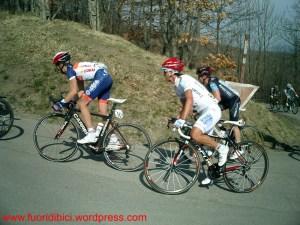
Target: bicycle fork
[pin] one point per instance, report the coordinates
(61, 130)
(63, 127)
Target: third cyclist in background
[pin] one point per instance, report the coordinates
(226, 96)
(290, 94)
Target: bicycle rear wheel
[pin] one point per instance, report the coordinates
(294, 108)
(249, 170)
(6, 117)
(129, 152)
(164, 175)
(54, 139)
(252, 133)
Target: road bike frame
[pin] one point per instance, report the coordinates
(72, 113)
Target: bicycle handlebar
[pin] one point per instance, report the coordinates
(172, 120)
(179, 130)
(182, 134)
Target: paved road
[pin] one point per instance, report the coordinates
(86, 185)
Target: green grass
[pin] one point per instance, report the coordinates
(27, 76)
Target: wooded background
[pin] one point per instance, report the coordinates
(198, 31)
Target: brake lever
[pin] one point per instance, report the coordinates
(171, 121)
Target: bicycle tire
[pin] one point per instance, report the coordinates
(130, 155)
(166, 178)
(294, 108)
(251, 133)
(48, 146)
(285, 108)
(277, 106)
(271, 105)
(249, 171)
(6, 117)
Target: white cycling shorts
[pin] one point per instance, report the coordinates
(208, 119)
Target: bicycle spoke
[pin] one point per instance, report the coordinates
(136, 142)
(248, 175)
(51, 148)
(179, 176)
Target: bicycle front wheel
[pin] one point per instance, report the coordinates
(127, 152)
(167, 171)
(285, 107)
(271, 105)
(6, 117)
(55, 138)
(249, 170)
(277, 106)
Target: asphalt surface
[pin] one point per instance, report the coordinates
(32, 187)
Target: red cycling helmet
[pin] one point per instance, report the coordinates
(61, 57)
(174, 64)
(204, 70)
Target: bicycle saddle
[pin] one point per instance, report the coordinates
(116, 100)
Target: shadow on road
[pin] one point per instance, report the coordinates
(14, 132)
(294, 150)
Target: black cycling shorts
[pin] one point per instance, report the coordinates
(234, 110)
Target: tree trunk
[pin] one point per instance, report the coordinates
(44, 9)
(92, 7)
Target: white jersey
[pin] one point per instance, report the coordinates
(202, 98)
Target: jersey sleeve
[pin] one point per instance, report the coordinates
(213, 86)
(186, 84)
(71, 74)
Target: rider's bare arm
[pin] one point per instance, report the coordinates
(73, 89)
(187, 108)
(217, 95)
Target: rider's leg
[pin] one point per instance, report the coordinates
(87, 119)
(102, 106)
(100, 87)
(237, 134)
(204, 124)
(85, 112)
(234, 114)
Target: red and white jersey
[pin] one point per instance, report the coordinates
(84, 70)
(202, 98)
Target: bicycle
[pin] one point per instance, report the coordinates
(55, 137)
(275, 104)
(6, 116)
(172, 166)
(291, 105)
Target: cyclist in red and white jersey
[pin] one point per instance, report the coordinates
(101, 83)
(195, 97)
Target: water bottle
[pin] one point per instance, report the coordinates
(99, 128)
(221, 134)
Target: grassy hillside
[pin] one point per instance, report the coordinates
(27, 76)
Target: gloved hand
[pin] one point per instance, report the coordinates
(58, 106)
(179, 123)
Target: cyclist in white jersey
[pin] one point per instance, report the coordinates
(195, 97)
(101, 83)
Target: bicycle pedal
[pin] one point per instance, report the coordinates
(210, 184)
(95, 149)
